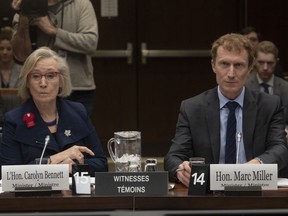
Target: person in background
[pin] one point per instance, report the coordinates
(202, 120)
(266, 58)
(9, 71)
(251, 33)
(255, 37)
(70, 28)
(43, 82)
(8, 68)
(262, 77)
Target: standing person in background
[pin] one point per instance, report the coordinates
(255, 37)
(43, 82)
(202, 120)
(70, 28)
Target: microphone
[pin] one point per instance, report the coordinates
(238, 140)
(47, 139)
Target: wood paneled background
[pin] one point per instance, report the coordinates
(146, 96)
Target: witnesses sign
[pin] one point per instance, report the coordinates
(131, 183)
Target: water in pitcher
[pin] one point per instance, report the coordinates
(126, 153)
(128, 163)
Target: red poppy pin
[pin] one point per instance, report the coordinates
(28, 118)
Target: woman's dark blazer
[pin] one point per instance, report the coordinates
(21, 144)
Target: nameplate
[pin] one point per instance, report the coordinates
(243, 175)
(131, 183)
(35, 176)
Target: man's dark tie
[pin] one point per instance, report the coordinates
(230, 150)
(266, 87)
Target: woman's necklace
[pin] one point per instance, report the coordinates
(51, 123)
(54, 122)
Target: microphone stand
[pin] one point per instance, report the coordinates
(238, 139)
(38, 190)
(47, 139)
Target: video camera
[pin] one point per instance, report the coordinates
(34, 8)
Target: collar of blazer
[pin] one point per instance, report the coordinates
(71, 126)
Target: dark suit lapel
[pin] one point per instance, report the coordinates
(72, 131)
(212, 112)
(252, 82)
(249, 121)
(276, 87)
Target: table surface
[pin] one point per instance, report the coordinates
(176, 199)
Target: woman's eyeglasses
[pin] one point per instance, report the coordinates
(50, 76)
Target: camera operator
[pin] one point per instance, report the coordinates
(70, 28)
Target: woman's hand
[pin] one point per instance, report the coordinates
(71, 156)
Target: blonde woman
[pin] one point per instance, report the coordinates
(44, 81)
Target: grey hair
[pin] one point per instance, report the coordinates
(39, 54)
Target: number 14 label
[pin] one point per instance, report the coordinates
(199, 179)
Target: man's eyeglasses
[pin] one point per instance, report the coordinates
(50, 76)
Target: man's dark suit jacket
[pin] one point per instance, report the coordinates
(280, 88)
(21, 144)
(198, 130)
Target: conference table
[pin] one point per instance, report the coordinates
(176, 202)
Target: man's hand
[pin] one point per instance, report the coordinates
(183, 173)
(253, 161)
(45, 25)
